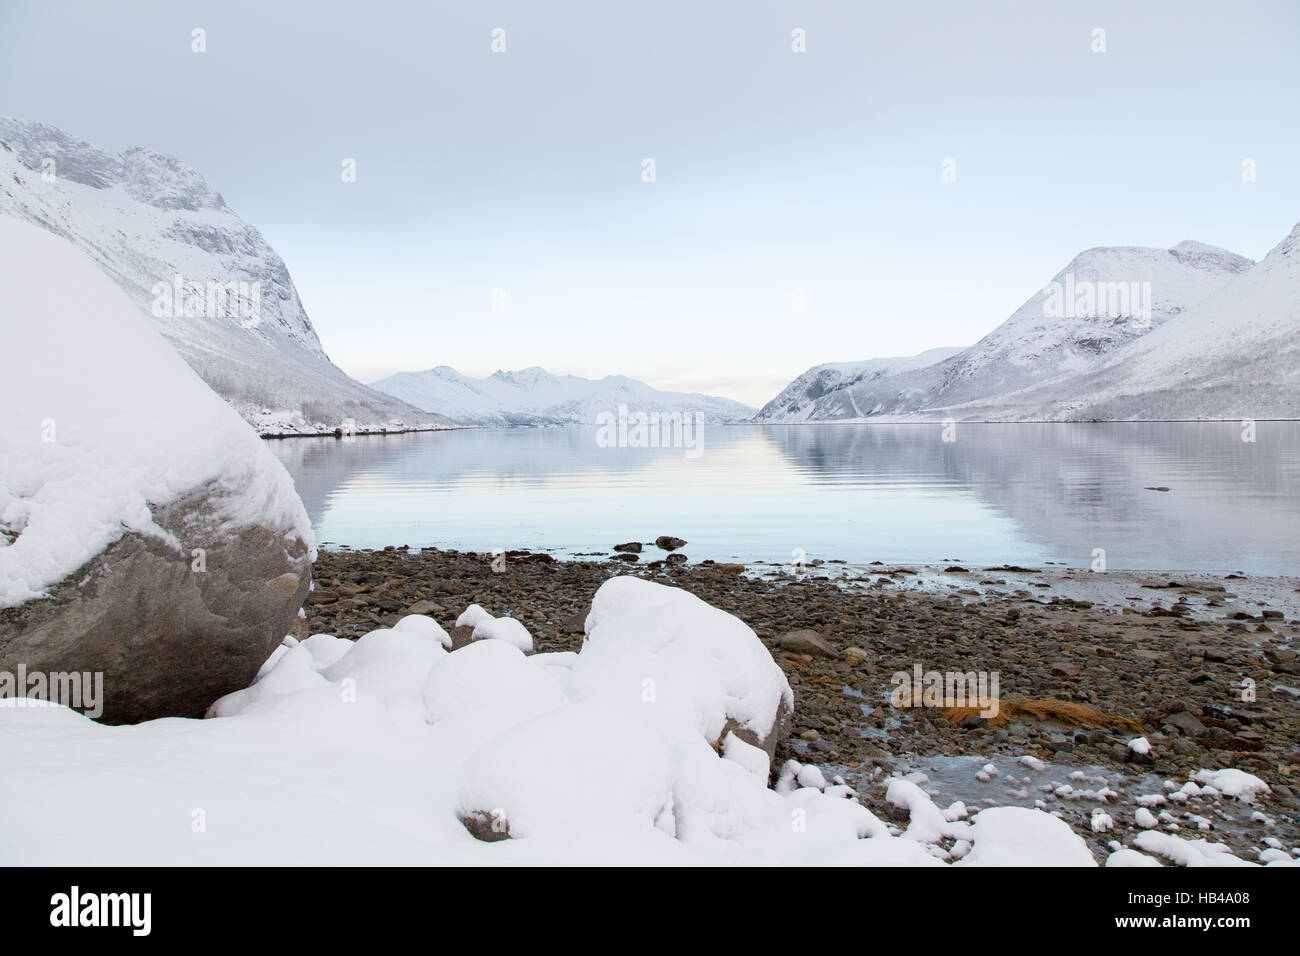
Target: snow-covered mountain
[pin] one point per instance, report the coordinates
(533, 396)
(157, 228)
(1102, 302)
(1234, 355)
(836, 383)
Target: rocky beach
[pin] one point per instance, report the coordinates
(1200, 666)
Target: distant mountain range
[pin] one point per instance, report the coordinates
(1120, 333)
(155, 227)
(533, 396)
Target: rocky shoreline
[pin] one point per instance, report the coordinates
(1177, 656)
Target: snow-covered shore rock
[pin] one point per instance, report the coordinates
(153, 224)
(146, 533)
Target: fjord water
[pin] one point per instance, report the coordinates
(1013, 493)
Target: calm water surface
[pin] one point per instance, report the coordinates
(1023, 494)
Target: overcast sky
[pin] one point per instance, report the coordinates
(774, 170)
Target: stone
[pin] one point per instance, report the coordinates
(427, 608)
(1186, 723)
(632, 547)
(806, 641)
(669, 543)
(168, 640)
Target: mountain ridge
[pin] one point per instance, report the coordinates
(152, 223)
(534, 396)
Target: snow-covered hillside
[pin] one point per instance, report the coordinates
(836, 382)
(155, 226)
(1234, 355)
(1102, 302)
(533, 396)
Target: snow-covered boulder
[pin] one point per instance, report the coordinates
(690, 668)
(146, 533)
(580, 770)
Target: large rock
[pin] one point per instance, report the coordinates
(168, 640)
(149, 537)
(692, 669)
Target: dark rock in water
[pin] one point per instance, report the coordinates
(626, 557)
(669, 543)
(633, 547)
(168, 639)
(676, 559)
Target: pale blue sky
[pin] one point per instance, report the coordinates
(775, 170)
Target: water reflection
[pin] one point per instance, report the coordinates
(1019, 493)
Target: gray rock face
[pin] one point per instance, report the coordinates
(168, 639)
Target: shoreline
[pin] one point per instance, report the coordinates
(338, 432)
(1172, 659)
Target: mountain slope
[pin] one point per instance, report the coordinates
(1105, 299)
(155, 226)
(836, 382)
(1234, 355)
(533, 396)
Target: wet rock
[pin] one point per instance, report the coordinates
(669, 543)
(632, 547)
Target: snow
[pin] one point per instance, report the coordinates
(1187, 852)
(146, 218)
(504, 629)
(579, 767)
(375, 752)
(1124, 857)
(534, 396)
(1221, 342)
(118, 390)
(1232, 783)
(1019, 836)
(424, 626)
(1140, 745)
(490, 674)
(690, 667)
